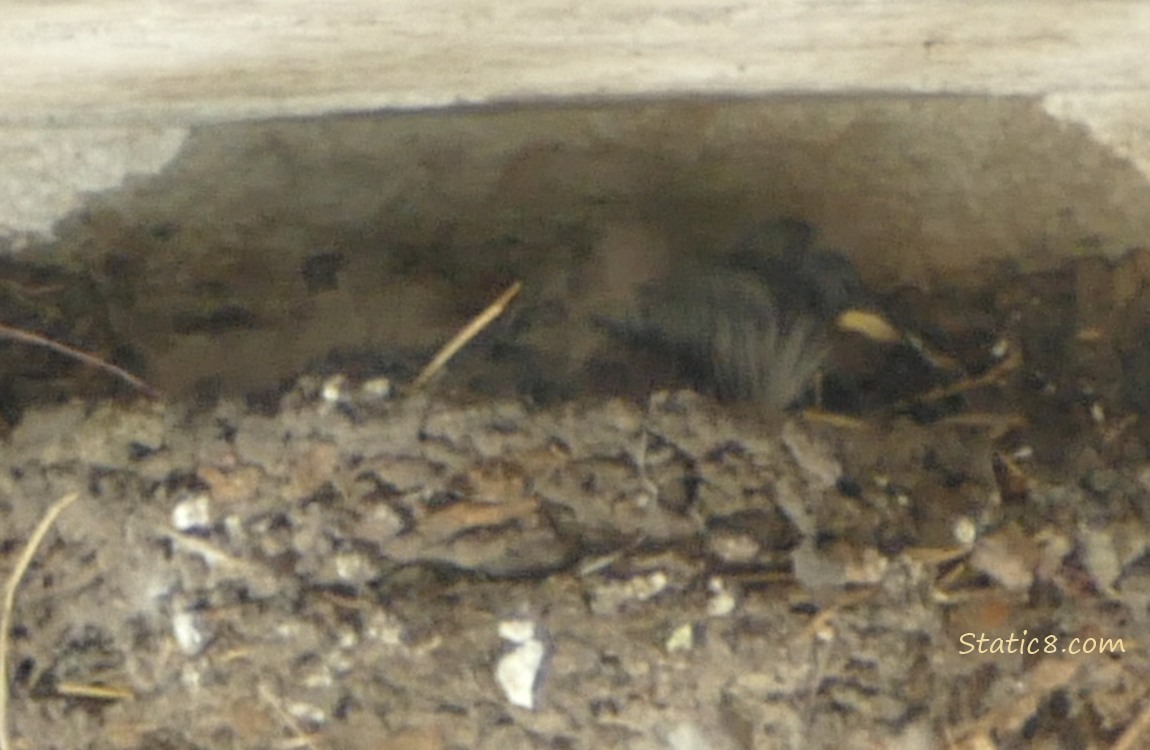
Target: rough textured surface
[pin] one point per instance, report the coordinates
(346, 566)
(45, 174)
(181, 62)
(339, 574)
(74, 65)
(265, 246)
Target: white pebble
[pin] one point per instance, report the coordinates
(517, 631)
(681, 639)
(965, 531)
(307, 712)
(721, 601)
(517, 672)
(186, 630)
(376, 388)
(192, 514)
(334, 389)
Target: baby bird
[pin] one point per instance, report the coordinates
(754, 327)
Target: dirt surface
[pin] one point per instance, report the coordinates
(950, 561)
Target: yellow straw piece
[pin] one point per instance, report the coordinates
(468, 332)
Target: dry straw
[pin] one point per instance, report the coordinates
(35, 339)
(10, 587)
(468, 332)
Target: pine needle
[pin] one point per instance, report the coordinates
(10, 587)
(35, 339)
(468, 332)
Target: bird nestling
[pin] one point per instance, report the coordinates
(754, 326)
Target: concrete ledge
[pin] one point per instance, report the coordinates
(97, 91)
(176, 61)
(425, 217)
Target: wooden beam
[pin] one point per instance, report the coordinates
(183, 61)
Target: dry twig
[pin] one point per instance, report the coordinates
(10, 587)
(468, 332)
(1009, 364)
(93, 691)
(300, 738)
(35, 339)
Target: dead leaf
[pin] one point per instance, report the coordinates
(466, 516)
(1008, 556)
(1013, 483)
(231, 485)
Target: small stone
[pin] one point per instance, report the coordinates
(733, 548)
(517, 631)
(376, 389)
(518, 670)
(192, 514)
(964, 531)
(721, 602)
(681, 639)
(334, 389)
(186, 630)
(611, 597)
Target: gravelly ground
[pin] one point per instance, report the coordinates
(339, 567)
(337, 575)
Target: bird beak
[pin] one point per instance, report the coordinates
(872, 325)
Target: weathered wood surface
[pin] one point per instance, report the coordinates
(92, 90)
(177, 61)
